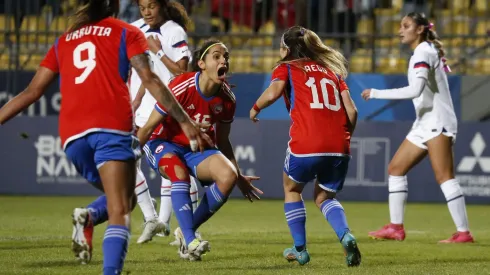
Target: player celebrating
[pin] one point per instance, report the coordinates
(93, 60)
(164, 25)
(323, 117)
(433, 132)
(209, 100)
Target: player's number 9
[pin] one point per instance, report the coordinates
(87, 64)
(316, 104)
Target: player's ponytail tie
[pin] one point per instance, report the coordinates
(430, 26)
(446, 66)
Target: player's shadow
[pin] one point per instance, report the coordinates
(29, 247)
(59, 263)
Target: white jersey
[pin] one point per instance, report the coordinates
(434, 107)
(174, 45)
(429, 90)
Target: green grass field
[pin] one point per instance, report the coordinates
(246, 239)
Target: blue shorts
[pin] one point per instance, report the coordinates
(157, 148)
(90, 152)
(330, 171)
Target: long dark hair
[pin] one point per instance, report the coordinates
(303, 43)
(171, 10)
(201, 53)
(428, 34)
(92, 11)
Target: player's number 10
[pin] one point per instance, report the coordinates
(88, 64)
(316, 104)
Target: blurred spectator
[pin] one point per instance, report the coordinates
(251, 13)
(128, 11)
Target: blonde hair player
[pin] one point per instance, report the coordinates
(433, 133)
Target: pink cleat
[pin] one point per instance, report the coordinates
(459, 237)
(389, 232)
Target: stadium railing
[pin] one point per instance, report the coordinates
(366, 33)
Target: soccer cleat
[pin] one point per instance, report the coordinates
(389, 232)
(291, 254)
(81, 239)
(154, 202)
(176, 242)
(194, 250)
(459, 237)
(152, 227)
(351, 250)
(165, 232)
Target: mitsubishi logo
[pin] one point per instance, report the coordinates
(468, 163)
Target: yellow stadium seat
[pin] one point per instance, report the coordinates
(458, 5)
(386, 12)
(482, 66)
(391, 65)
(7, 23)
(4, 61)
(482, 28)
(360, 64)
(241, 61)
(365, 27)
(397, 4)
(240, 35)
(58, 26)
(390, 29)
(268, 30)
(333, 43)
(460, 28)
(482, 6)
(268, 63)
(33, 29)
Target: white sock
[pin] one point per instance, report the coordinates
(194, 193)
(398, 188)
(166, 201)
(143, 195)
(456, 204)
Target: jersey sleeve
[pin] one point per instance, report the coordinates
(135, 43)
(342, 85)
(281, 72)
(50, 61)
(421, 64)
(179, 93)
(177, 47)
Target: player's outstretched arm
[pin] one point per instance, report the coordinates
(268, 97)
(244, 183)
(144, 132)
(31, 94)
(350, 108)
(163, 95)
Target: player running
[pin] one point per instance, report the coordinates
(208, 99)
(164, 25)
(433, 132)
(96, 118)
(323, 117)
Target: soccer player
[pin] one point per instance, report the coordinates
(310, 76)
(433, 132)
(164, 25)
(96, 118)
(208, 99)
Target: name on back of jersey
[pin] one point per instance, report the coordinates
(315, 68)
(88, 30)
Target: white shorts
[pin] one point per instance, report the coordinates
(419, 135)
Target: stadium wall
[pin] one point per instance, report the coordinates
(249, 87)
(37, 165)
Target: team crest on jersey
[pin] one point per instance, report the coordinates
(218, 108)
(159, 149)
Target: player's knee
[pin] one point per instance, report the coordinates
(118, 210)
(172, 168)
(395, 169)
(291, 186)
(323, 196)
(442, 177)
(227, 176)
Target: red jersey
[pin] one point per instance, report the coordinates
(217, 108)
(93, 63)
(319, 122)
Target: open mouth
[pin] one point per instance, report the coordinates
(222, 73)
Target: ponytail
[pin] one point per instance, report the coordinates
(176, 12)
(434, 39)
(302, 43)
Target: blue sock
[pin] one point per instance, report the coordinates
(182, 205)
(296, 218)
(115, 247)
(210, 203)
(98, 210)
(335, 215)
